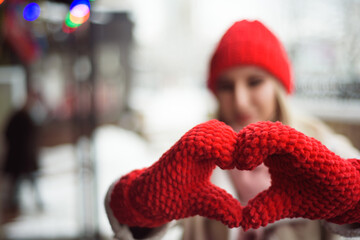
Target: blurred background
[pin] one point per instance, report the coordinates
(98, 88)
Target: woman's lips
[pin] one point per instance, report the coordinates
(243, 118)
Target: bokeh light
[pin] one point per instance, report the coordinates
(31, 12)
(1, 1)
(79, 14)
(79, 20)
(67, 29)
(70, 23)
(79, 2)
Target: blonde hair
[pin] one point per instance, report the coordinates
(283, 113)
(303, 122)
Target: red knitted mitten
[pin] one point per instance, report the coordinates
(178, 185)
(308, 180)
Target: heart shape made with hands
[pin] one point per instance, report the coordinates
(307, 179)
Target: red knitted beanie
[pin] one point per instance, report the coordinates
(251, 43)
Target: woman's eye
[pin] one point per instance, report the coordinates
(255, 81)
(225, 86)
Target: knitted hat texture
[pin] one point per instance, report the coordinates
(251, 43)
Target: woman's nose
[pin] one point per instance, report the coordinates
(242, 97)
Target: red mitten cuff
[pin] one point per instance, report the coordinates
(124, 208)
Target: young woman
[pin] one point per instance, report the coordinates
(250, 76)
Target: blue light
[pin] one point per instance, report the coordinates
(77, 2)
(31, 11)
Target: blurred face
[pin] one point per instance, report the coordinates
(246, 94)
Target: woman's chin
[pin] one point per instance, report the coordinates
(238, 126)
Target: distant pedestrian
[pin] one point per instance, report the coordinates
(21, 153)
